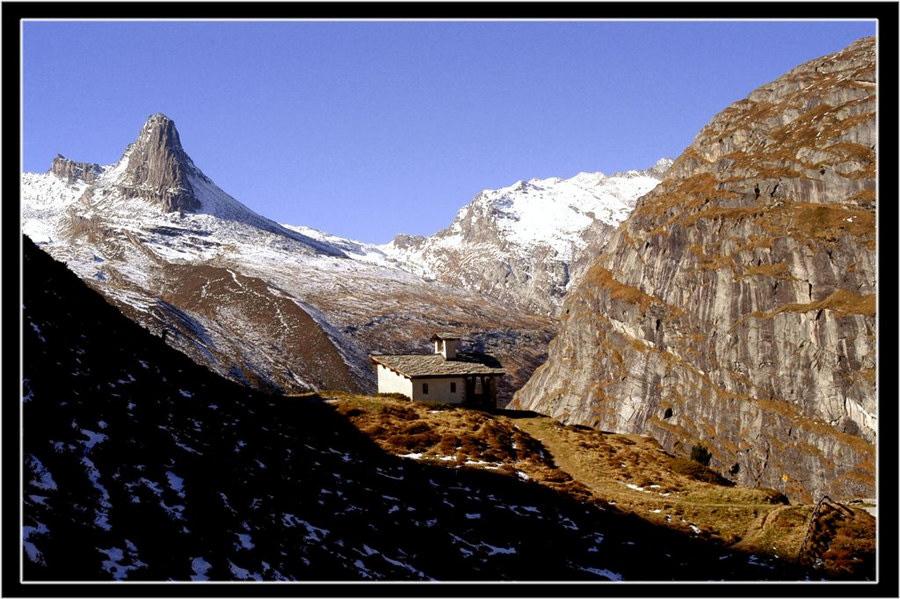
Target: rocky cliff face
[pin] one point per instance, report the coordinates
(157, 167)
(71, 171)
(735, 308)
(528, 243)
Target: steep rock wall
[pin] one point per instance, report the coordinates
(735, 308)
(157, 168)
(71, 171)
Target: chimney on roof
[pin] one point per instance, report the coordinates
(446, 344)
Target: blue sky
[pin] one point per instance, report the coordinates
(367, 129)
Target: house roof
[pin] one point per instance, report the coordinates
(445, 336)
(430, 365)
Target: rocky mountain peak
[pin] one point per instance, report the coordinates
(158, 167)
(71, 171)
(403, 241)
(525, 244)
(160, 130)
(659, 169)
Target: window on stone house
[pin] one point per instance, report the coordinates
(424, 388)
(452, 387)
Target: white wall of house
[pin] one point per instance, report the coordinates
(439, 389)
(443, 389)
(391, 382)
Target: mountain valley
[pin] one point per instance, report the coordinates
(275, 307)
(141, 465)
(691, 358)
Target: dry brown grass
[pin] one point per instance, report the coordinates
(840, 541)
(780, 530)
(778, 270)
(604, 279)
(829, 223)
(841, 302)
(453, 436)
(630, 473)
(636, 475)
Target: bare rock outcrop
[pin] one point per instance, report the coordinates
(157, 167)
(71, 171)
(735, 307)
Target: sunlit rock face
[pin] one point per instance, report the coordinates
(157, 167)
(735, 307)
(71, 171)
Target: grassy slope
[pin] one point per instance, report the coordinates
(630, 473)
(140, 464)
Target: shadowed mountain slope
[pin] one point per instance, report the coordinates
(142, 465)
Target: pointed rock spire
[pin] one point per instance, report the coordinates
(158, 166)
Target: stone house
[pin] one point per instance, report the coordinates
(447, 375)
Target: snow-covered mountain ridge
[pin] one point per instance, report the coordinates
(556, 211)
(526, 243)
(273, 306)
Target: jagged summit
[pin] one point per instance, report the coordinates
(662, 165)
(158, 127)
(71, 171)
(526, 243)
(159, 117)
(154, 184)
(158, 166)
